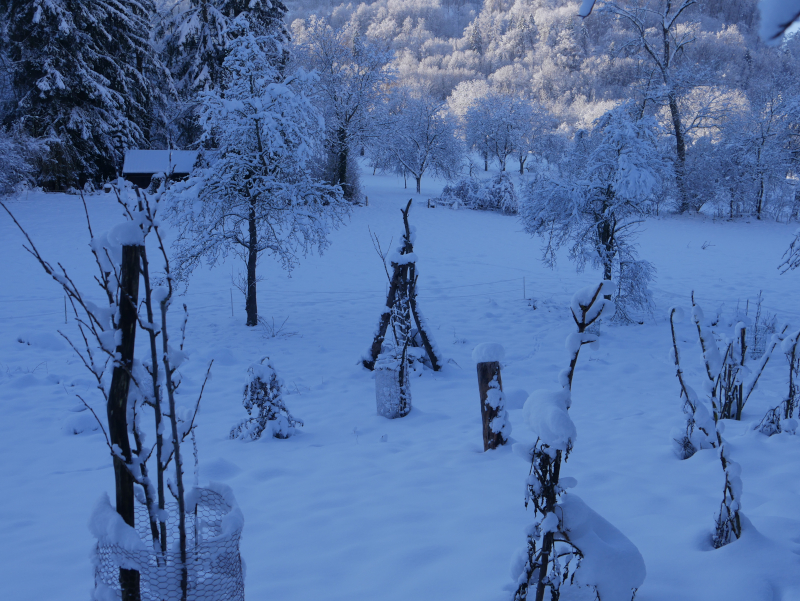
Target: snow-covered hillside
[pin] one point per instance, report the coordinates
(356, 506)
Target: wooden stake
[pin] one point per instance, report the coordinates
(487, 372)
(118, 403)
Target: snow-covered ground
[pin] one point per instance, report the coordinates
(334, 513)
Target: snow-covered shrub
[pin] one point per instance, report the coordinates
(18, 153)
(569, 545)
(781, 418)
(132, 387)
(727, 393)
(495, 194)
(263, 399)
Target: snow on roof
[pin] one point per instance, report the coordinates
(159, 161)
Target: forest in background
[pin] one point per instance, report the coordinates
(505, 80)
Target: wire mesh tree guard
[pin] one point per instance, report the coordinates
(214, 565)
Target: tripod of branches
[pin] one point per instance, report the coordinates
(401, 304)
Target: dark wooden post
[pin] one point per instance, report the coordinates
(118, 403)
(487, 372)
(487, 356)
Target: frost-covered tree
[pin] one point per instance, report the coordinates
(500, 125)
(84, 77)
(422, 136)
(353, 75)
(490, 127)
(662, 36)
(594, 199)
(263, 400)
(255, 192)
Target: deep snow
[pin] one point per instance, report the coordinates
(359, 507)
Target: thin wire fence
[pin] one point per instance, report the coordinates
(214, 566)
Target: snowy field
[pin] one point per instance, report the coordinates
(334, 513)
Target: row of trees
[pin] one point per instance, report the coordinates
(80, 83)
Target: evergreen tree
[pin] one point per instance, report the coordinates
(84, 78)
(195, 36)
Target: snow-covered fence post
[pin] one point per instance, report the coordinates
(496, 428)
(117, 406)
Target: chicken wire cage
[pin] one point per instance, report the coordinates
(214, 565)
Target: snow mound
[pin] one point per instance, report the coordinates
(487, 352)
(611, 564)
(108, 527)
(545, 412)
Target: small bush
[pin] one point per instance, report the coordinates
(263, 399)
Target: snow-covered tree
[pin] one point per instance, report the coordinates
(422, 136)
(662, 37)
(255, 191)
(594, 199)
(85, 78)
(353, 75)
(263, 400)
(131, 387)
(490, 125)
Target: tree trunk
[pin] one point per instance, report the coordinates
(251, 305)
(522, 164)
(605, 235)
(551, 498)
(118, 404)
(485, 164)
(341, 165)
(486, 373)
(680, 149)
(419, 179)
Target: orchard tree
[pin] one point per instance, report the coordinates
(254, 190)
(422, 136)
(492, 123)
(595, 198)
(533, 131)
(85, 79)
(353, 75)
